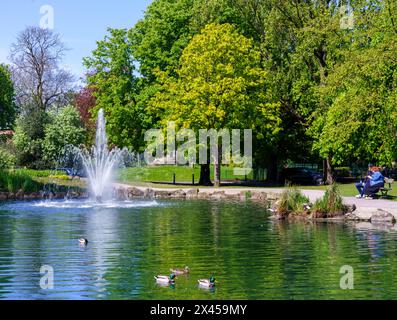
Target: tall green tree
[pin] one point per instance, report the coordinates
(160, 37)
(111, 76)
(358, 121)
(7, 95)
(219, 84)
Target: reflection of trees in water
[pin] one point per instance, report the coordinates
(251, 257)
(6, 239)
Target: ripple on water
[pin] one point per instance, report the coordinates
(130, 242)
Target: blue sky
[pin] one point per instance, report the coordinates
(79, 22)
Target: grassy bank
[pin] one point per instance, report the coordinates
(349, 189)
(13, 181)
(34, 180)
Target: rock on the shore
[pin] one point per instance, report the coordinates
(3, 196)
(373, 215)
(135, 192)
(192, 193)
(382, 216)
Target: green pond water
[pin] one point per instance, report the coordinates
(251, 256)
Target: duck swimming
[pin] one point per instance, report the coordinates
(180, 271)
(207, 283)
(165, 279)
(83, 241)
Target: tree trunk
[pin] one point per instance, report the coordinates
(271, 169)
(217, 167)
(329, 172)
(205, 179)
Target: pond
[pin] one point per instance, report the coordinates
(251, 256)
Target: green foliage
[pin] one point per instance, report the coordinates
(59, 177)
(14, 181)
(115, 88)
(358, 117)
(220, 85)
(64, 129)
(7, 104)
(28, 138)
(36, 173)
(40, 137)
(159, 39)
(7, 159)
(292, 202)
(331, 204)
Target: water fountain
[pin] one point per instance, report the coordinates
(99, 162)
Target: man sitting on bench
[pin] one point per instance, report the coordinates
(375, 182)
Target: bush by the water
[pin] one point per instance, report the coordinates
(7, 159)
(292, 202)
(330, 205)
(14, 181)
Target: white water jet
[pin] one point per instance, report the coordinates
(100, 162)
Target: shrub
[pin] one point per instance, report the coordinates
(59, 177)
(28, 138)
(65, 128)
(13, 181)
(331, 204)
(292, 202)
(36, 173)
(7, 159)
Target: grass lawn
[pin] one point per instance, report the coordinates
(183, 174)
(349, 189)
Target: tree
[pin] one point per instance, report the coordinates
(160, 37)
(7, 103)
(28, 138)
(64, 129)
(301, 46)
(359, 120)
(111, 77)
(85, 103)
(219, 85)
(39, 80)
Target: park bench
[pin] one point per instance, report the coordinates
(384, 191)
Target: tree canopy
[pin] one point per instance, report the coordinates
(219, 85)
(7, 103)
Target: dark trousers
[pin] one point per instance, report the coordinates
(362, 186)
(372, 190)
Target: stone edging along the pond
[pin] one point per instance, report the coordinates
(41, 195)
(366, 212)
(268, 198)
